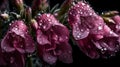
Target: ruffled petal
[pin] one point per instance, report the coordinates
(66, 55)
(41, 38)
(51, 59)
(80, 31)
(88, 48)
(6, 45)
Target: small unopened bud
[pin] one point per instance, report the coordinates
(108, 20)
(39, 5)
(34, 24)
(4, 16)
(110, 13)
(28, 14)
(19, 4)
(65, 7)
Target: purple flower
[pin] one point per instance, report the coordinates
(18, 39)
(52, 38)
(93, 36)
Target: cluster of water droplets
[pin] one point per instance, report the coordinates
(82, 9)
(80, 32)
(12, 60)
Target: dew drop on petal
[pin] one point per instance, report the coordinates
(91, 14)
(100, 28)
(69, 51)
(40, 24)
(4, 48)
(10, 24)
(48, 15)
(44, 27)
(80, 32)
(111, 32)
(81, 13)
(11, 59)
(49, 20)
(49, 58)
(78, 6)
(83, 4)
(104, 49)
(21, 46)
(16, 28)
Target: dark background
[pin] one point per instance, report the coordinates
(80, 59)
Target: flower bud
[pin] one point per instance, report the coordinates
(64, 7)
(34, 24)
(28, 14)
(18, 39)
(18, 5)
(39, 5)
(52, 38)
(4, 16)
(93, 36)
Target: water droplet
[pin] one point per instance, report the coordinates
(83, 4)
(10, 24)
(78, 11)
(40, 20)
(81, 30)
(100, 28)
(82, 7)
(79, 35)
(88, 6)
(39, 14)
(70, 13)
(116, 51)
(68, 19)
(11, 59)
(81, 12)
(4, 47)
(73, 3)
(22, 35)
(66, 37)
(118, 26)
(78, 6)
(44, 27)
(15, 28)
(48, 15)
(21, 46)
(49, 58)
(49, 20)
(60, 39)
(104, 49)
(90, 14)
(111, 32)
(69, 51)
(40, 24)
(55, 37)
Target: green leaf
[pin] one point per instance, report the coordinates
(54, 8)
